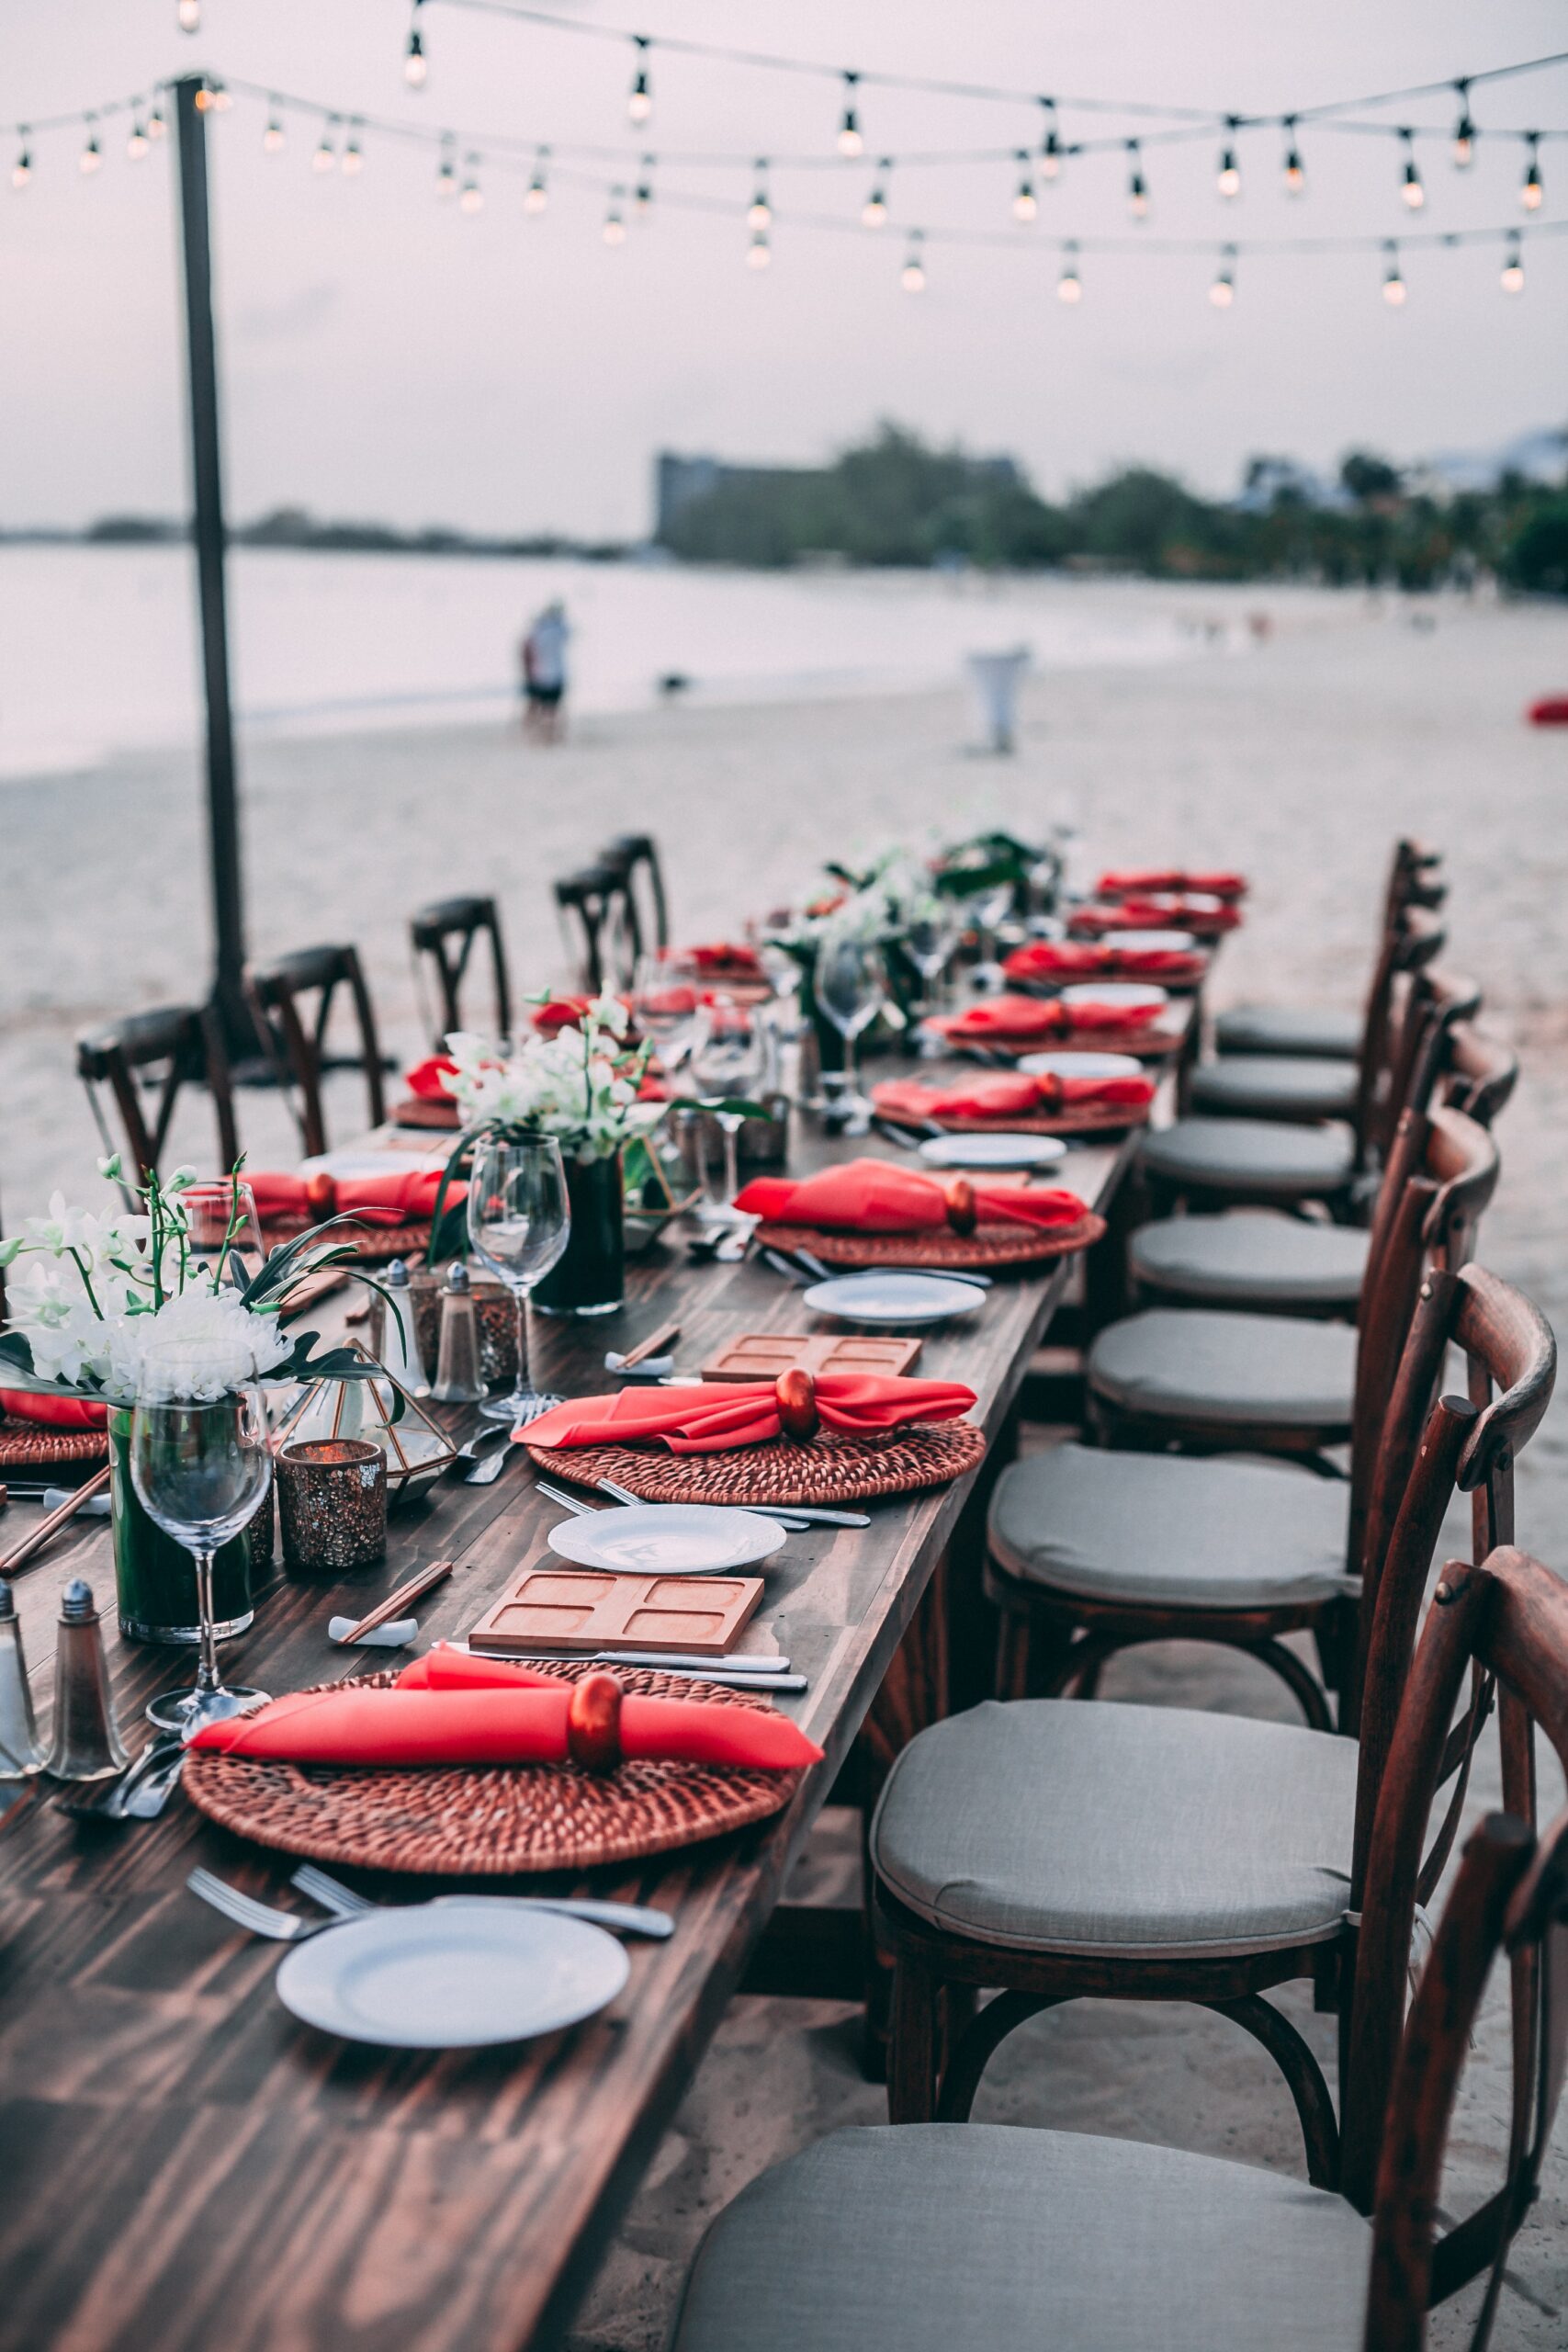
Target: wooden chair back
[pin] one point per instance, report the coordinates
(292, 1001)
(1429, 1005)
(599, 926)
(1408, 949)
(443, 937)
(635, 856)
(144, 1062)
(1415, 880)
(1480, 1073)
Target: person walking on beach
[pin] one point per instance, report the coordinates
(544, 674)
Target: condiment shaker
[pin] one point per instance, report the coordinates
(21, 1750)
(87, 1744)
(397, 1336)
(458, 1380)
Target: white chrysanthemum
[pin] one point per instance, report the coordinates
(196, 1348)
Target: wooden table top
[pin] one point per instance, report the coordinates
(188, 2168)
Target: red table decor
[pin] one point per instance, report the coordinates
(1205, 920)
(877, 1196)
(1088, 959)
(1144, 881)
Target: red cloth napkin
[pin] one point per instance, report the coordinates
(1156, 914)
(1053, 959)
(723, 1413)
(407, 1194)
(497, 1713)
(1029, 1019)
(427, 1078)
(1003, 1094)
(1135, 881)
(879, 1196)
(728, 955)
(52, 1412)
(563, 1012)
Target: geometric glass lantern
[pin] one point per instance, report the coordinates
(380, 1410)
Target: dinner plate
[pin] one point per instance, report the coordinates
(992, 1151)
(1131, 992)
(873, 1297)
(451, 1975)
(1081, 1066)
(688, 1539)
(1174, 942)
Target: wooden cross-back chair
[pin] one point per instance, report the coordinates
(634, 858)
(144, 1062)
(293, 999)
(599, 925)
(443, 937)
(1064, 1849)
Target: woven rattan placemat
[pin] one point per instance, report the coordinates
(989, 1246)
(829, 1468)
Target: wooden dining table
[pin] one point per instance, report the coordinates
(185, 2168)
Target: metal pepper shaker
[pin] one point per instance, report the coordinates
(396, 1340)
(458, 1379)
(21, 1750)
(87, 1744)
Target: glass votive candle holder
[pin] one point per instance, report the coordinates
(331, 1503)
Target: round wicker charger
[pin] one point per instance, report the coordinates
(831, 1467)
(421, 1111)
(372, 1241)
(1146, 1043)
(1073, 1119)
(989, 1246)
(28, 1445)
(490, 1820)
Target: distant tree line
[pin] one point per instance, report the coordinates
(895, 501)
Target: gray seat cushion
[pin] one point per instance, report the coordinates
(980, 2237)
(1275, 1086)
(1270, 1158)
(1287, 1029)
(1260, 1261)
(1171, 1530)
(1199, 1363)
(1082, 1826)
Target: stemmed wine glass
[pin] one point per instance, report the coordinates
(731, 1061)
(519, 1222)
(201, 1472)
(667, 1005)
(929, 942)
(851, 989)
(989, 906)
(222, 1229)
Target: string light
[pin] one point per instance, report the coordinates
(874, 211)
(190, 15)
(91, 156)
(353, 158)
(1464, 130)
(537, 195)
(1514, 267)
(1222, 293)
(416, 65)
(1393, 284)
(760, 212)
(642, 195)
(850, 140)
(203, 99)
(1137, 190)
(912, 278)
(1050, 145)
(156, 126)
(222, 98)
(472, 199)
(1025, 204)
(447, 170)
(759, 253)
(136, 146)
(22, 169)
(1230, 170)
(1415, 194)
(325, 157)
(272, 136)
(639, 105)
(1295, 170)
(1069, 286)
(615, 230)
(1531, 193)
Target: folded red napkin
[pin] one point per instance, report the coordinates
(1004, 1095)
(1156, 914)
(1028, 1020)
(1132, 880)
(408, 1194)
(726, 955)
(880, 1196)
(51, 1412)
(428, 1078)
(1060, 959)
(723, 1413)
(502, 1714)
(563, 1012)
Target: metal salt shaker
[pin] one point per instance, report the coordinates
(458, 1379)
(87, 1744)
(21, 1750)
(398, 1348)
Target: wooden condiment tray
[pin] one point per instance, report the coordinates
(584, 1610)
(763, 1355)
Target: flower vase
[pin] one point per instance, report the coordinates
(589, 1278)
(155, 1576)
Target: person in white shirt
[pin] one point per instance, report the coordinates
(544, 676)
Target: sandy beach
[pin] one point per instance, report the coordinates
(1299, 759)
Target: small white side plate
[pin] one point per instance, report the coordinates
(1177, 942)
(894, 1298)
(992, 1151)
(681, 1539)
(1081, 1066)
(451, 1976)
(1139, 992)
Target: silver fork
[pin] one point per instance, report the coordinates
(257, 1919)
(631, 1918)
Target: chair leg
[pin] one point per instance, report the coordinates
(1299, 1679)
(1013, 1646)
(1303, 2078)
(1079, 1665)
(974, 2050)
(911, 2063)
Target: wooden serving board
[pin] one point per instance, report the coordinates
(583, 1609)
(763, 1355)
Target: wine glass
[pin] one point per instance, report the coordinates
(851, 989)
(201, 1472)
(989, 906)
(731, 1061)
(930, 939)
(222, 1228)
(519, 1222)
(667, 1005)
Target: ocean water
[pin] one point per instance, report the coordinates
(99, 657)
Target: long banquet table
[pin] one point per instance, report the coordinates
(186, 2167)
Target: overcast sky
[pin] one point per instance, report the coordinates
(384, 355)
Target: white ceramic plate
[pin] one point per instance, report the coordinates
(1141, 992)
(451, 1975)
(684, 1539)
(1177, 942)
(1081, 1066)
(992, 1151)
(907, 1299)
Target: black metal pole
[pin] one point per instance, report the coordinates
(209, 535)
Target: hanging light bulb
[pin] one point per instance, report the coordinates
(1222, 293)
(642, 195)
(614, 227)
(1069, 286)
(91, 157)
(1530, 193)
(222, 98)
(537, 195)
(156, 126)
(353, 157)
(639, 105)
(1025, 204)
(1138, 188)
(136, 146)
(1295, 170)
(272, 137)
(1050, 145)
(1411, 189)
(416, 65)
(203, 99)
(190, 15)
(760, 212)
(912, 278)
(874, 211)
(1464, 130)
(1393, 284)
(446, 171)
(850, 140)
(324, 160)
(1230, 170)
(1514, 267)
(471, 198)
(759, 253)
(22, 169)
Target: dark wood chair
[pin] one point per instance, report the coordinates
(598, 920)
(1060, 1849)
(145, 1062)
(292, 1001)
(635, 856)
(444, 938)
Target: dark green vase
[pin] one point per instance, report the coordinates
(155, 1578)
(589, 1278)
